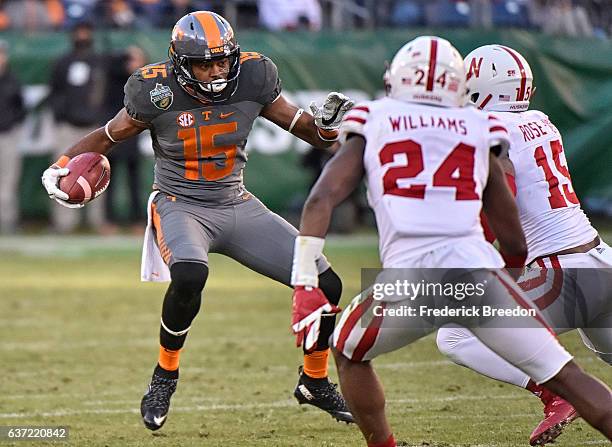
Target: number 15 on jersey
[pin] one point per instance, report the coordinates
(198, 145)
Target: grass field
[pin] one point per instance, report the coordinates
(79, 339)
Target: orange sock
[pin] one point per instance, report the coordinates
(315, 364)
(169, 360)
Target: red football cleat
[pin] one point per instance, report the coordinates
(558, 413)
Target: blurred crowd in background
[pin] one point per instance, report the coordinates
(559, 17)
(95, 81)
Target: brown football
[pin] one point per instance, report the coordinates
(88, 178)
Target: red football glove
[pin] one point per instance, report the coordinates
(309, 304)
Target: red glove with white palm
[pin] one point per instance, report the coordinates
(309, 302)
(309, 305)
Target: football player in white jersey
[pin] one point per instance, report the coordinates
(560, 238)
(431, 165)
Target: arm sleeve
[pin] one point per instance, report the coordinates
(355, 120)
(271, 85)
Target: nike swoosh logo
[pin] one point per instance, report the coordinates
(159, 421)
(225, 115)
(327, 122)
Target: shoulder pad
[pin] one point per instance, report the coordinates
(147, 93)
(260, 72)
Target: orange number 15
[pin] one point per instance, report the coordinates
(210, 171)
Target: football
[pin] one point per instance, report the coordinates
(89, 177)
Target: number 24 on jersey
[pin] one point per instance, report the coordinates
(457, 170)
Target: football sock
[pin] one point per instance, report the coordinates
(315, 364)
(463, 348)
(168, 359)
(161, 372)
(538, 390)
(531, 386)
(331, 285)
(390, 442)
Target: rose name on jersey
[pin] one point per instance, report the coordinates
(413, 122)
(537, 129)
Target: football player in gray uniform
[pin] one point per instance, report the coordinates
(200, 106)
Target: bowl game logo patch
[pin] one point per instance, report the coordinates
(162, 96)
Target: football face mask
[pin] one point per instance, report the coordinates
(204, 37)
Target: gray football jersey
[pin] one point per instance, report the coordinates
(199, 148)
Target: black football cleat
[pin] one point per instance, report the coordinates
(155, 403)
(322, 394)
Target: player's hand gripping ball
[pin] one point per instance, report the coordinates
(89, 177)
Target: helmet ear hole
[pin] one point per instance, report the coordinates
(474, 97)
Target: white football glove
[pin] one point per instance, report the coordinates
(330, 115)
(50, 180)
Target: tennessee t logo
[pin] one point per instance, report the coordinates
(206, 114)
(474, 68)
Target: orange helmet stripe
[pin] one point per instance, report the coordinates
(211, 29)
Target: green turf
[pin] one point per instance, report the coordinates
(78, 341)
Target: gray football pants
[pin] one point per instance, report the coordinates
(247, 232)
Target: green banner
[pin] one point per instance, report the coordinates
(573, 79)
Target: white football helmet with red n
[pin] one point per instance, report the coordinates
(427, 70)
(499, 79)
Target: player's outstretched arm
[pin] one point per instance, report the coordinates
(101, 140)
(320, 130)
(339, 178)
(502, 215)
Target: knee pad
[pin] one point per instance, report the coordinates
(331, 285)
(188, 280)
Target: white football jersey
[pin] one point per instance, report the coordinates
(549, 210)
(426, 169)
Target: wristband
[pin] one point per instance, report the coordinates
(328, 135)
(307, 250)
(62, 161)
